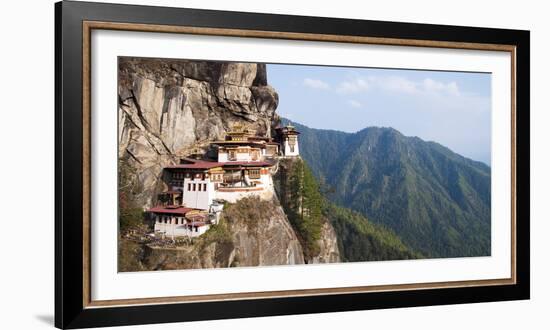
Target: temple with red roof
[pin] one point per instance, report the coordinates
(177, 220)
(243, 167)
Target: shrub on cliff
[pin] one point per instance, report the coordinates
(130, 215)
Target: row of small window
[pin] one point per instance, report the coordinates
(254, 174)
(196, 187)
(180, 175)
(167, 219)
(179, 221)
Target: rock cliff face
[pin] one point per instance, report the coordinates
(170, 108)
(261, 234)
(328, 244)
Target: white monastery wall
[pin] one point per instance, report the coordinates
(222, 157)
(199, 199)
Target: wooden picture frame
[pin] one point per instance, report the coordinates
(75, 21)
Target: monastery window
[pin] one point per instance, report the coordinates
(254, 174)
(188, 187)
(232, 155)
(204, 186)
(194, 186)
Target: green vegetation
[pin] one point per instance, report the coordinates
(303, 203)
(247, 211)
(130, 215)
(216, 234)
(130, 255)
(361, 240)
(436, 201)
(305, 212)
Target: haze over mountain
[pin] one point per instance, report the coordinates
(438, 202)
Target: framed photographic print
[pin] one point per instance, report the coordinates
(218, 164)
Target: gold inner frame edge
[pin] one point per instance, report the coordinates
(88, 26)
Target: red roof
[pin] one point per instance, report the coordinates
(287, 129)
(199, 165)
(170, 210)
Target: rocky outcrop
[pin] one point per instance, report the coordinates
(262, 234)
(252, 232)
(328, 246)
(171, 108)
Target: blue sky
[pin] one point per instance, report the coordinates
(451, 108)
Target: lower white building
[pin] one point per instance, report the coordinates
(177, 221)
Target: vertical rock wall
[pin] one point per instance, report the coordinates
(169, 108)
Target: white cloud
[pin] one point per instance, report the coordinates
(315, 83)
(353, 86)
(433, 86)
(398, 84)
(354, 104)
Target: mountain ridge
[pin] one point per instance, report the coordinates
(436, 200)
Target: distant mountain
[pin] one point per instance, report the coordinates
(438, 202)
